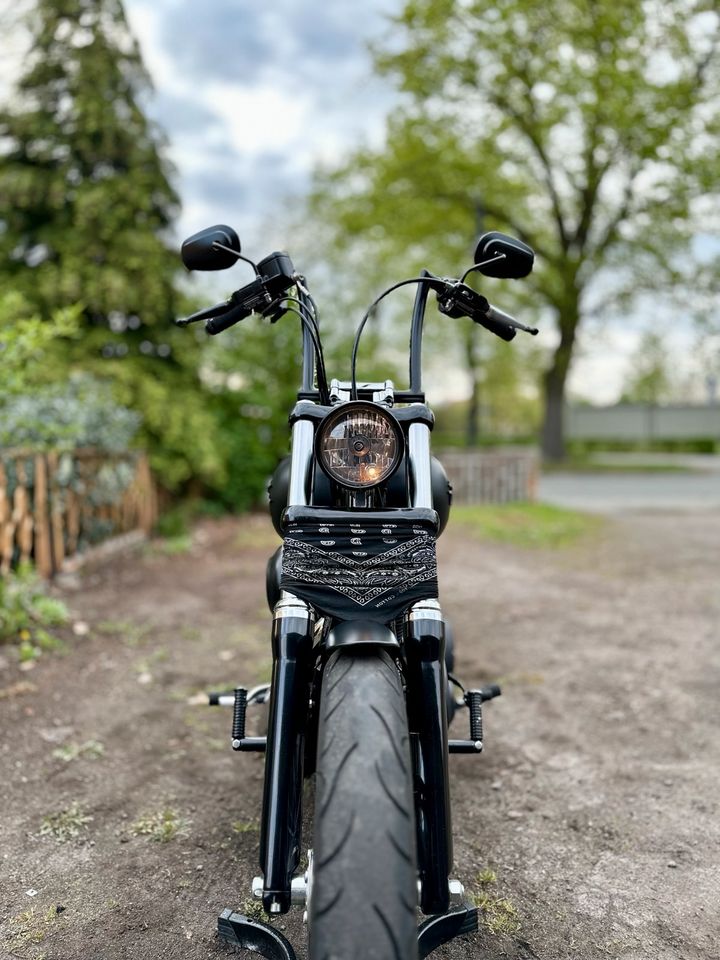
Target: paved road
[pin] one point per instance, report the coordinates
(614, 492)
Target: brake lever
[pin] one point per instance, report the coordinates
(207, 314)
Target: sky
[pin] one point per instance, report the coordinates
(254, 96)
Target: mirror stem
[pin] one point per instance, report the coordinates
(477, 266)
(221, 246)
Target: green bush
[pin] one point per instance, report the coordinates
(79, 413)
(26, 613)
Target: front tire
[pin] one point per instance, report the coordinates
(364, 886)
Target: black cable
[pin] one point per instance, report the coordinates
(322, 378)
(312, 316)
(358, 333)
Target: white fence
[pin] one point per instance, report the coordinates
(492, 476)
(636, 422)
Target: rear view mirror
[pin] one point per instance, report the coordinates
(518, 257)
(201, 250)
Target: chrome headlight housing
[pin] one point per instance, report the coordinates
(359, 445)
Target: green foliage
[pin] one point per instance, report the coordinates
(649, 378)
(26, 611)
(585, 128)
(84, 189)
(79, 413)
(27, 341)
(85, 205)
(525, 524)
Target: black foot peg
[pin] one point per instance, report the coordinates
(254, 935)
(446, 926)
(474, 700)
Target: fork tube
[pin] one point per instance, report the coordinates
(280, 835)
(419, 445)
(427, 690)
(302, 447)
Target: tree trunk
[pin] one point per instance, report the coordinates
(553, 429)
(472, 426)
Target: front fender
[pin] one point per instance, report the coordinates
(362, 635)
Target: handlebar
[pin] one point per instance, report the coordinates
(458, 300)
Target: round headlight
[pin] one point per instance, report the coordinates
(359, 444)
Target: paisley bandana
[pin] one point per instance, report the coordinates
(369, 569)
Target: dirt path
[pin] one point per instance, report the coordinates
(594, 808)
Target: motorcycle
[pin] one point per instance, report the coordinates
(362, 690)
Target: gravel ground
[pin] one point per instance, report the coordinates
(589, 827)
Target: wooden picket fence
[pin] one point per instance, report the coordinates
(53, 505)
(492, 476)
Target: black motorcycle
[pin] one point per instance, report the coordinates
(362, 690)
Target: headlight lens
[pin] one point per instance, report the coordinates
(359, 445)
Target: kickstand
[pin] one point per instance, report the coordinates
(254, 935)
(435, 931)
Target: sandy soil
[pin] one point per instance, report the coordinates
(595, 804)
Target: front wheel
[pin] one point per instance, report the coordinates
(364, 885)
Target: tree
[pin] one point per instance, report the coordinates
(588, 129)
(85, 197)
(649, 379)
(86, 203)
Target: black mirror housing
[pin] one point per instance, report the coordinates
(518, 256)
(199, 252)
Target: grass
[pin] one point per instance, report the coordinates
(245, 826)
(162, 826)
(31, 927)
(525, 524)
(581, 465)
(91, 749)
(170, 546)
(65, 825)
(498, 914)
(132, 633)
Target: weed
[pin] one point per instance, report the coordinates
(92, 749)
(245, 826)
(487, 878)
(26, 611)
(498, 914)
(31, 927)
(254, 910)
(162, 826)
(65, 825)
(526, 524)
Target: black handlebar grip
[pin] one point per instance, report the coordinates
(225, 320)
(499, 323)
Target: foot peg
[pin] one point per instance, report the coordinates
(474, 700)
(254, 935)
(239, 701)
